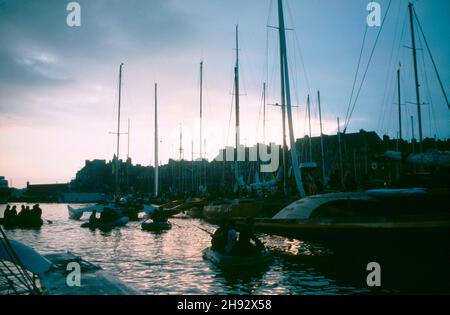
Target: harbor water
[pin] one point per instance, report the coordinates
(171, 262)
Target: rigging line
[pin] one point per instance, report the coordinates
(261, 106)
(266, 61)
(7, 284)
(356, 73)
(400, 54)
(389, 78)
(431, 57)
(20, 278)
(16, 261)
(430, 99)
(392, 114)
(229, 120)
(368, 65)
(296, 42)
(386, 107)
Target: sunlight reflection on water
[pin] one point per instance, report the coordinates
(171, 262)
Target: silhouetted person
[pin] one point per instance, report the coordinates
(10, 216)
(108, 215)
(244, 245)
(14, 211)
(224, 239)
(7, 215)
(93, 217)
(158, 216)
(7, 211)
(36, 212)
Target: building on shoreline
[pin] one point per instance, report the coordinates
(364, 164)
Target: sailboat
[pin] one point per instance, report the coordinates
(261, 207)
(125, 208)
(390, 219)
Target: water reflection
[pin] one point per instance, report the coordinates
(171, 262)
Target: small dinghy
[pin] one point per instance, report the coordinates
(264, 257)
(156, 226)
(105, 226)
(22, 224)
(77, 213)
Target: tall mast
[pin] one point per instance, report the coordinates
(128, 157)
(283, 120)
(264, 113)
(412, 134)
(201, 117)
(286, 98)
(309, 120)
(181, 143)
(236, 91)
(416, 77)
(284, 150)
(321, 140)
(341, 166)
(399, 107)
(204, 165)
(181, 159)
(192, 164)
(118, 133)
(128, 142)
(156, 141)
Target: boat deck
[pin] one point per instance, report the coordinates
(94, 280)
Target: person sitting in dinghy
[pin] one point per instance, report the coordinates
(7, 215)
(248, 244)
(36, 212)
(158, 215)
(231, 238)
(108, 215)
(224, 239)
(93, 217)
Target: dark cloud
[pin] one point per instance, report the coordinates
(36, 45)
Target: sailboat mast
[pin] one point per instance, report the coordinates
(192, 163)
(181, 159)
(118, 133)
(399, 107)
(416, 76)
(236, 91)
(283, 120)
(201, 117)
(156, 142)
(412, 134)
(128, 142)
(287, 98)
(321, 140)
(341, 165)
(264, 113)
(309, 121)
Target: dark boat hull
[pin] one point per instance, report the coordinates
(257, 208)
(370, 235)
(34, 224)
(105, 226)
(156, 226)
(232, 262)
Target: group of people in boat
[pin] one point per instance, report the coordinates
(26, 217)
(108, 215)
(231, 241)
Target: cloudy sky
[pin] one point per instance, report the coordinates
(58, 84)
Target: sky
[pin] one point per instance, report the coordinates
(59, 84)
